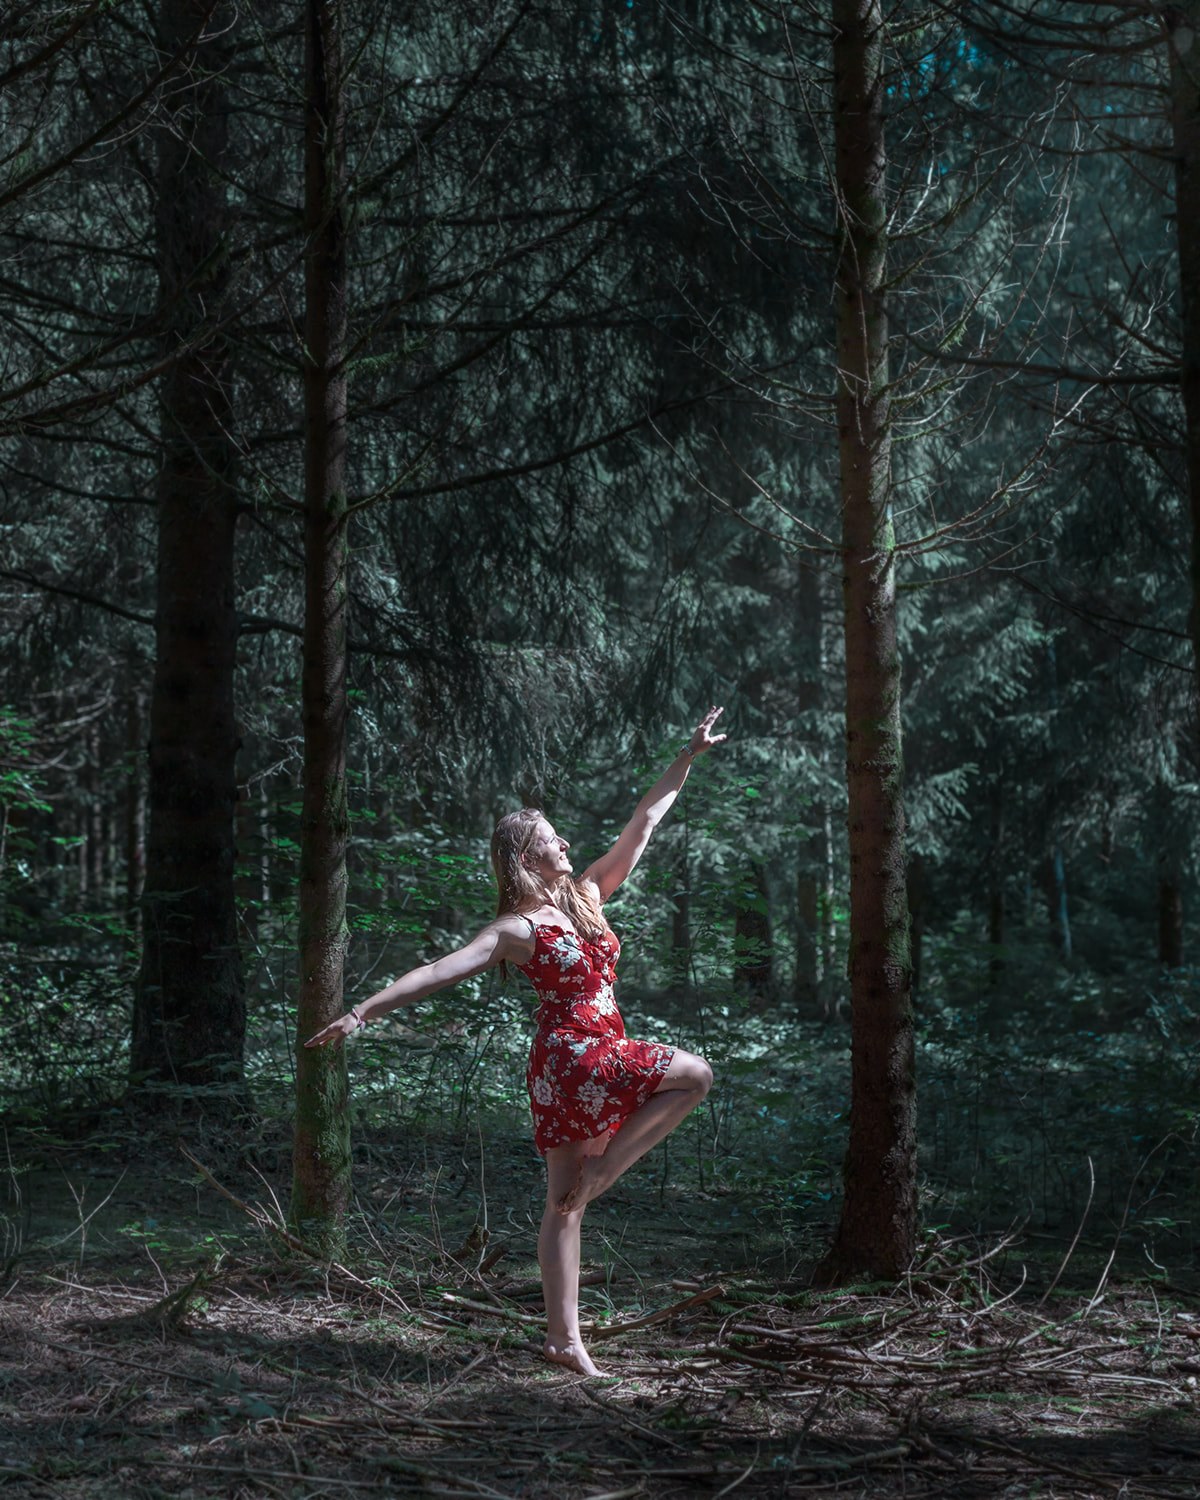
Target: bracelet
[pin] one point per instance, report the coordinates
(357, 1017)
(686, 749)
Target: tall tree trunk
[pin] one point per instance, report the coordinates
(917, 889)
(827, 981)
(1057, 904)
(264, 846)
(321, 1142)
(95, 815)
(827, 976)
(810, 703)
(681, 925)
(996, 880)
(1170, 922)
(753, 961)
(189, 1012)
(81, 824)
(1172, 856)
(246, 883)
(808, 955)
(135, 820)
(876, 1233)
(1183, 22)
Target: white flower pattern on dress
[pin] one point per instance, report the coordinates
(566, 951)
(592, 1097)
(585, 1076)
(603, 1002)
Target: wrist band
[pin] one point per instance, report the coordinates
(357, 1017)
(686, 749)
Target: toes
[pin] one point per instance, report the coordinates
(572, 1356)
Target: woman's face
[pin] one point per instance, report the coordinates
(546, 856)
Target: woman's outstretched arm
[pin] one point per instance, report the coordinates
(504, 940)
(612, 868)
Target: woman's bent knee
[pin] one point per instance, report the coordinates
(688, 1074)
(695, 1074)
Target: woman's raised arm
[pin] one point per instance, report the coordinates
(612, 868)
(506, 940)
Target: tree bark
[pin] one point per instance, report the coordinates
(1170, 922)
(827, 980)
(681, 926)
(811, 690)
(94, 815)
(876, 1233)
(247, 880)
(321, 1142)
(996, 881)
(808, 957)
(753, 966)
(917, 890)
(189, 1011)
(135, 821)
(1183, 23)
(1058, 909)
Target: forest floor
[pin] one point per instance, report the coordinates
(158, 1339)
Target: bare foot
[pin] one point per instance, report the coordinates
(590, 1184)
(571, 1353)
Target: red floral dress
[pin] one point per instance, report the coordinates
(585, 1076)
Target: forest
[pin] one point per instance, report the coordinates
(414, 413)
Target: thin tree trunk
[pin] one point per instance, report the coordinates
(81, 824)
(112, 859)
(1183, 22)
(189, 1011)
(996, 882)
(876, 1233)
(753, 961)
(95, 816)
(264, 846)
(1170, 923)
(1057, 902)
(246, 880)
(1056, 863)
(681, 926)
(917, 891)
(827, 980)
(135, 820)
(321, 1143)
(827, 910)
(810, 696)
(808, 957)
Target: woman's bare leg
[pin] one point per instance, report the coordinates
(558, 1256)
(683, 1086)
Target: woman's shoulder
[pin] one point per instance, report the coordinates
(547, 916)
(513, 924)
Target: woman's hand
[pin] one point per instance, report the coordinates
(702, 736)
(336, 1032)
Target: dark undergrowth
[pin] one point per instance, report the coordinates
(159, 1336)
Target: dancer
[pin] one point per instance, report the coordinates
(600, 1100)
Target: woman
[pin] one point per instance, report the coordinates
(599, 1099)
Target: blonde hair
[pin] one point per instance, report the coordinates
(517, 888)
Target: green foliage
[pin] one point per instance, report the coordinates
(539, 615)
(67, 1020)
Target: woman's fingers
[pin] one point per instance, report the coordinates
(704, 728)
(330, 1033)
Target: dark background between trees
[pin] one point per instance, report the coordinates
(409, 413)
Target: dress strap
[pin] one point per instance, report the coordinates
(532, 924)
